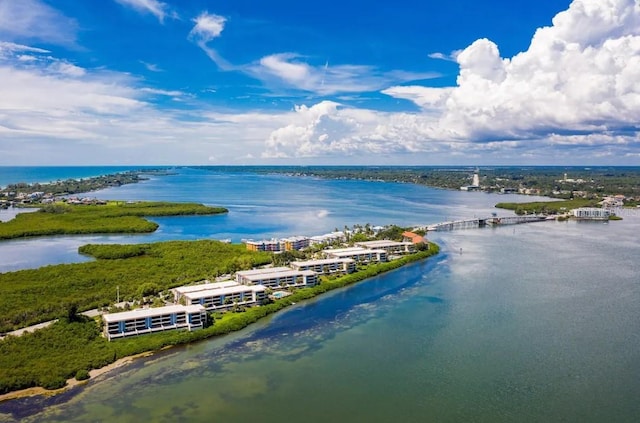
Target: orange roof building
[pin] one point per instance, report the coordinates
(412, 237)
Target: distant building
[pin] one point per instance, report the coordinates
(591, 213)
(329, 238)
(509, 190)
(149, 320)
(277, 245)
(613, 201)
(475, 183)
(272, 245)
(326, 266)
(294, 243)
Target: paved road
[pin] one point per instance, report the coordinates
(89, 313)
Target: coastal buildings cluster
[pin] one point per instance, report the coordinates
(248, 288)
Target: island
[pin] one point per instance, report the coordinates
(65, 217)
(80, 302)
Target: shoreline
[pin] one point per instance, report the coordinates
(72, 382)
(283, 304)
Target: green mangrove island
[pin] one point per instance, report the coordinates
(61, 218)
(143, 273)
(548, 207)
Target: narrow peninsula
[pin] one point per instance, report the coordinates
(75, 300)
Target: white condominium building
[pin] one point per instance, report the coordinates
(359, 255)
(227, 297)
(180, 291)
(326, 266)
(148, 320)
(243, 274)
(591, 213)
(391, 247)
(277, 277)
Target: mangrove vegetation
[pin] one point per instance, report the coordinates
(547, 207)
(113, 217)
(32, 296)
(73, 346)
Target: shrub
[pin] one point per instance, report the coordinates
(52, 381)
(82, 374)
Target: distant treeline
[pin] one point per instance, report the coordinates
(549, 181)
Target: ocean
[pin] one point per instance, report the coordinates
(533, 322)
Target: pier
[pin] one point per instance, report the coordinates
(482, 222)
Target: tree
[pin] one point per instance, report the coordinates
(422, 246)
(148, 289)
(71, 312)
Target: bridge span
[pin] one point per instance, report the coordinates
(482, 222)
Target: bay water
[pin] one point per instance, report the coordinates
(535, 322)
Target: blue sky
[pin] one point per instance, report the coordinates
(349, 82)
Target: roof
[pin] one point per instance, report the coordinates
(262, 271)
(342, 252)
(322, 261)
(380, 243)
(281, 274)
(224, 291)
(204, 286)
(415, 238)
(296, 238)
(150, 312)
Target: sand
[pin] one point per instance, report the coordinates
(30, 392)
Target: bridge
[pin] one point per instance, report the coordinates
(482, 222)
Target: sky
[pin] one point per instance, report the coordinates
(284, 82)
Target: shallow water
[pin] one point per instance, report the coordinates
(532, 322)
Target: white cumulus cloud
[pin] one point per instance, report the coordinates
(207, 27)
(328, 129)
(578, 84)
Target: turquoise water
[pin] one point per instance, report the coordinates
(533, 323)
(260, 206)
